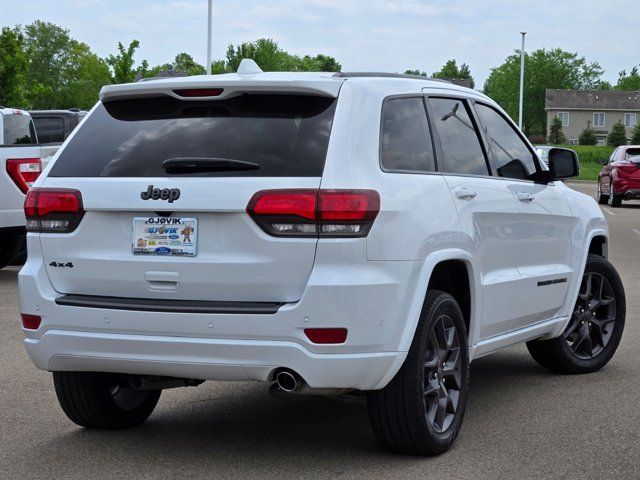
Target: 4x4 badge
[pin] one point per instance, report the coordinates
(170, 194)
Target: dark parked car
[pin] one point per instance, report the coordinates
(54, 126)
(620, 177)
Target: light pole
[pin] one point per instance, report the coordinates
(521, 81)
(209, 39)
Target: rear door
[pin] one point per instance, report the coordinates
(487, 211)
(116, 161)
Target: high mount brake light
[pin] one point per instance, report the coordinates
(199, 92)
(313, 213)
(53, 210)
(24, 171)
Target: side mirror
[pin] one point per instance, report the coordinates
(563, 163)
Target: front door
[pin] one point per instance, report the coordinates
(545, 222)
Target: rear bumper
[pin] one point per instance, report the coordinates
(629, 188)
(375, 301)
(204, 358)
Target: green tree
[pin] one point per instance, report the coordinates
(556, 135)
(635, 135)
(219, 66)
(48, 48)
(185, 63)
(13, 68)
(319, 63)
(122, 64)
(543, 69)
(85, 75)
(630, 81)
(61, 72)
(587, 137)
(416, 72)
(617, 136)
(271, 58)
(451, 70)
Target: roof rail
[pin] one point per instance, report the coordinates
(387, 75)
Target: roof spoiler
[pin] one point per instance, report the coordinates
(249, 78)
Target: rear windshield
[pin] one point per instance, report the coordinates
(633, 154)
(286, 135)
(50, 129)
(18, 130)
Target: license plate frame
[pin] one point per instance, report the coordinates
(165, 236)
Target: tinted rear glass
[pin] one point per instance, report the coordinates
(633, 154)
(286, 135)
(50, 129)
(18, 130)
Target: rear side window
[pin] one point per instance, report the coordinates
(50, 129)
(406, 141)
(460, 143)
(18, 130)
(286, 135)
(512, 156)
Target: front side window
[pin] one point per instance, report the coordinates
(629, 119)
(564, 118)
(512, 156)
(461, 146)
(406, 141)
(598, 119)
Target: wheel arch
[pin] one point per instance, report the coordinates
(596, 242)
(433, 275)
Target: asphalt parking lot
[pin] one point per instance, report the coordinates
(521, 421)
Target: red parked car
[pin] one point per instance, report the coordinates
(620, 177)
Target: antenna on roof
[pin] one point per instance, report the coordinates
(248, 66)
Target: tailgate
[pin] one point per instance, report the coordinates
(127, 243)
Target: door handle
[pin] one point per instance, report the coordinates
(465, 193)
(526, 197)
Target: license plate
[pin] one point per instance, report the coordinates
(165, 236)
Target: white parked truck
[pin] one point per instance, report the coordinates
(21, 161)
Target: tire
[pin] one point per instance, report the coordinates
(10, 248)
(406, 419)
(616, 200)
(602, 198)
(588, 342)
(94, 400)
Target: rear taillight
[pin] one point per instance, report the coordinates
(24, 171)
(313, 213)
(53, 210)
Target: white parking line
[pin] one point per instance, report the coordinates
(636, 231)
(608, 211)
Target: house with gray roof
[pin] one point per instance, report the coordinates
(598, 109)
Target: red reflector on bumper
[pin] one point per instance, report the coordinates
(30, 322)
(326, 335)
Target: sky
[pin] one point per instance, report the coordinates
(371, 35)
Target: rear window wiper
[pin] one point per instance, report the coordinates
(206, 164)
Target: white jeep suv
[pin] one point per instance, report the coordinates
(322, 232)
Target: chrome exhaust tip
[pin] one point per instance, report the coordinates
(288, 381)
